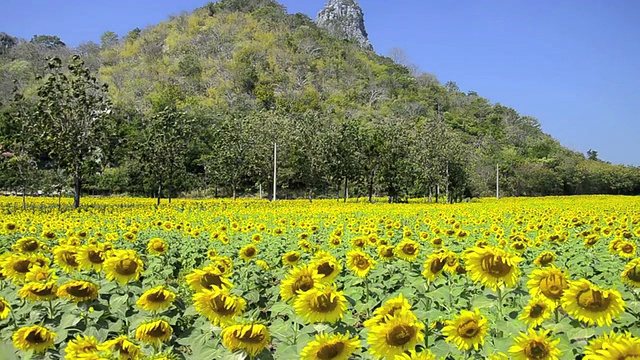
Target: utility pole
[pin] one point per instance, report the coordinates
(497, 182)
(275, 169)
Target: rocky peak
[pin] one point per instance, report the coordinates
(344, 19)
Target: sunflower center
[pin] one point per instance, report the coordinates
(552, 286)
(362, 263)
(634, 274)
(495, 265)
(546, 259)
(11, 226)
(326, 268)
(536, 311)
(2, 306)
(80, 290)
(437, 265)
(21, 266)
(304, 283)
(593, 300)
(536, 350)
(518, 246)
(126, 267)
(69, 258)
(627, 248)
(409, 249)
(468, 329)
(324, 303)
(157, 297)
(437, 241)
(158, 246)
(400, 335)
(210, 280)
(218, 305)
(388, 252)
(293, 257)
(95, 257)
(43, 291)
(34, 337)
(30, 245)
(330, 351)
(158, 331)
(249, 336)
(250, 252)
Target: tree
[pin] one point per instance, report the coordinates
(592, 155)
(7, 42)
(47, 41)
(73, 118)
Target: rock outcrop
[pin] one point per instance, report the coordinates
(344, 19)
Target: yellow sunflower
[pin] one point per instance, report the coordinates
(389, 309)
(212, 254)
(492, 266)
(598, 347)
(466, 330)
(248, 252)
(434, 265)
(123, 266)
(218, 305)
(398, 334)
(16, 266)
(386, 252)
(263, 264)
(291, 258)
(251, 338)
(157, 299)
(157, 246)
(545, 258)
(590, 304)
(535, 346)
(408, 250)
(549, 282)
(5, 308)
(82, 344)
(79, 290)
(38, 291)
(256, 238)
(39, 274)
(330, 347)
(328, 267)
(28, 245)
(207, 278)
(627, 249)
(154, 332)
(360, 263)
(91, 257)
(33, 338)
(537, 311)
(224, 264)
(324, 304)
(631, 273)
(124, 347)
(300, 280)
(65, 257)
(413, 355)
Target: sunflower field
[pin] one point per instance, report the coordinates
(545, 278)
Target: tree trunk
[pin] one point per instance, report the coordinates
(233, 187)
(170, 191)
(159, 193)
(371, 187)
(60, 199)
(346, 188)
(311, 195)
(24, 194)
(77, 188)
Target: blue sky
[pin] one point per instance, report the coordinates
(572, 64)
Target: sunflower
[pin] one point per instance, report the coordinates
(126, 349)
(545, 258)
(38, 291)
(305, 245)
(625, 347)
(537, 311)
(5, 308)
(65, 257)
(90, 257)
(248, 252)
(157, 299)
(631, 273)
(154, 332)
(39, 274)
(33, 338)
(413, 355)
(389, 309)
(28, 245)
(263, 264)
(79, 290)
(157, 246)
(209, 277)
(252, 338)
(408, 250)
(492, 266)
(452, 262)
(360, 262)
(212, 254)
(434, 265)
(300, 280)
(256, 238)
(224, 264)
(466, 330)
(16, 266)
(218, 305)
(335, 241)
(395, 336)
(590, 304)
(123, 266)
(627, 249)
(82, 344)
(535, 346)
(330, 347)
(437, 242)
(325, 304)
(597, 348)
(549, 282)
(328, 267)
(291, 258)
(386, 252)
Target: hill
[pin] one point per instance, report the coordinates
(200, 99)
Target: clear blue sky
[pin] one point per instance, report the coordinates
(573, 64)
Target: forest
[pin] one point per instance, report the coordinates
(194, 106)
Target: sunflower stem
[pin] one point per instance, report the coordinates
(366, 295)
(500, 302)
(51, 310)
(557, 313)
